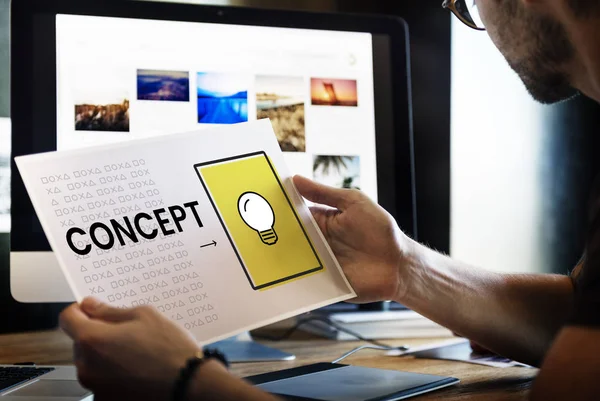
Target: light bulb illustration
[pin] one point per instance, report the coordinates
(258, 214)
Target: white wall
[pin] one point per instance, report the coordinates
(496, 137)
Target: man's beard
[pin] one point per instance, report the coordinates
(545, 86)
(542, 70)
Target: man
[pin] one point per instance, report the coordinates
(550, 321)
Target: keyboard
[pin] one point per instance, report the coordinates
(11, 376)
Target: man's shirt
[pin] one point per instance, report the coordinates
(586, 276)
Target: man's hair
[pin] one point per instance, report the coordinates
(582, 8)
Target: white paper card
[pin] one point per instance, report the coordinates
(206, 226)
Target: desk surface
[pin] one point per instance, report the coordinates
(477, 382)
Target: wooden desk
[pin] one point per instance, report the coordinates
(477, 382)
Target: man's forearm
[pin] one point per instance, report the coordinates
(516, 315)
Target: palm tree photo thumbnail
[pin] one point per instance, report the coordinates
(337, 171)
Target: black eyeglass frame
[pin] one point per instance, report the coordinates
(460, 10)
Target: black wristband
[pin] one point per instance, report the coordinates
(191, 365)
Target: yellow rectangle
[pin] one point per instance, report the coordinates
(259, 219)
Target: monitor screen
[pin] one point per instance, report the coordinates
(335, 87)
(123, 78)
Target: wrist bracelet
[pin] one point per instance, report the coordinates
(191, 365)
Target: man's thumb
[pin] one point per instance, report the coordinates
(97, 309)
(323, 194)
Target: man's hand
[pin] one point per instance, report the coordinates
(365, 239)
(126, 353)
(382, 263)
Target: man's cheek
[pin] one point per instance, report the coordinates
(483, 6)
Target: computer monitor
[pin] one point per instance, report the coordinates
(336, 88)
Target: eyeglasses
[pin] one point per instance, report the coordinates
(466, 11)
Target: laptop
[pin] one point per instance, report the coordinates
(35, 383)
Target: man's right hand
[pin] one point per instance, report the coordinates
(366, 240)
(514, 315)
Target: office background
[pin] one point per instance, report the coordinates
(502, 182)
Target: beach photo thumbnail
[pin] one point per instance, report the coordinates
(163, 85)
(222, 98)
(337, 171)
(281, 99)
(333, 92)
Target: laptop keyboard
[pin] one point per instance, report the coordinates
(11, 376)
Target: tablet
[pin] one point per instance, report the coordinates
(337, 382)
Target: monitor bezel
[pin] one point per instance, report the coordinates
(23, 61)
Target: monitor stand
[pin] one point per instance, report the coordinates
(242, 348)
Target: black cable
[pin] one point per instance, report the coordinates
(331, 323)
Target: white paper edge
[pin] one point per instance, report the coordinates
(300, 200)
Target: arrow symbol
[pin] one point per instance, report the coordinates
(213, 243)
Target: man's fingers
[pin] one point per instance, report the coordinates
(73, 321)
(97, 309)
(319, 193)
